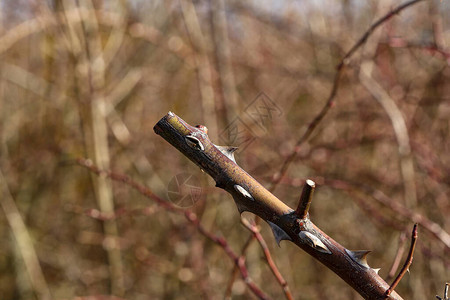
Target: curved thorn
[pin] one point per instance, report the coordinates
(279, 233)
(194, 142)
(228, 151)
(313, 241)
(241, 208)
(359, 256)
(243, 192)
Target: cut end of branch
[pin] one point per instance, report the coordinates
(305, 199)
(310, 183)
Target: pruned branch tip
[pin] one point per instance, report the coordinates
(305, 199)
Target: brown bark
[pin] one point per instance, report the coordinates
(286, 223)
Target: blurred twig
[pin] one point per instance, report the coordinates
(374, 26)
(330, 101)
(226, 106)
(190, 216)
(255, 231)
(400, 130)
(431, 49)
(200, 43)
(398, 256)
(239, 261)
(24, 241)
(435, 229)
(91, 83)
(72, 16)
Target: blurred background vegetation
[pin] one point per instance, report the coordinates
(91, 78)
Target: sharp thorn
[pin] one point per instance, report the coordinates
(279, 233)
(241, 207)
(377, 270)
(359, 256)
(228, 151)
(243, 192)
(313, 241)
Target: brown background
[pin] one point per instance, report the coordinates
(91, 80)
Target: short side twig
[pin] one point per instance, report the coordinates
(445, 293)
(408, 262)
(305, 199)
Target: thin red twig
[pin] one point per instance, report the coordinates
(330, 101)
(239, 261)
(408, 262)
(435, 229)
(283, 283)
(430, 48)
(374, 26)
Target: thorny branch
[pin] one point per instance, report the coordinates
(331, 98)
(250, 195)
